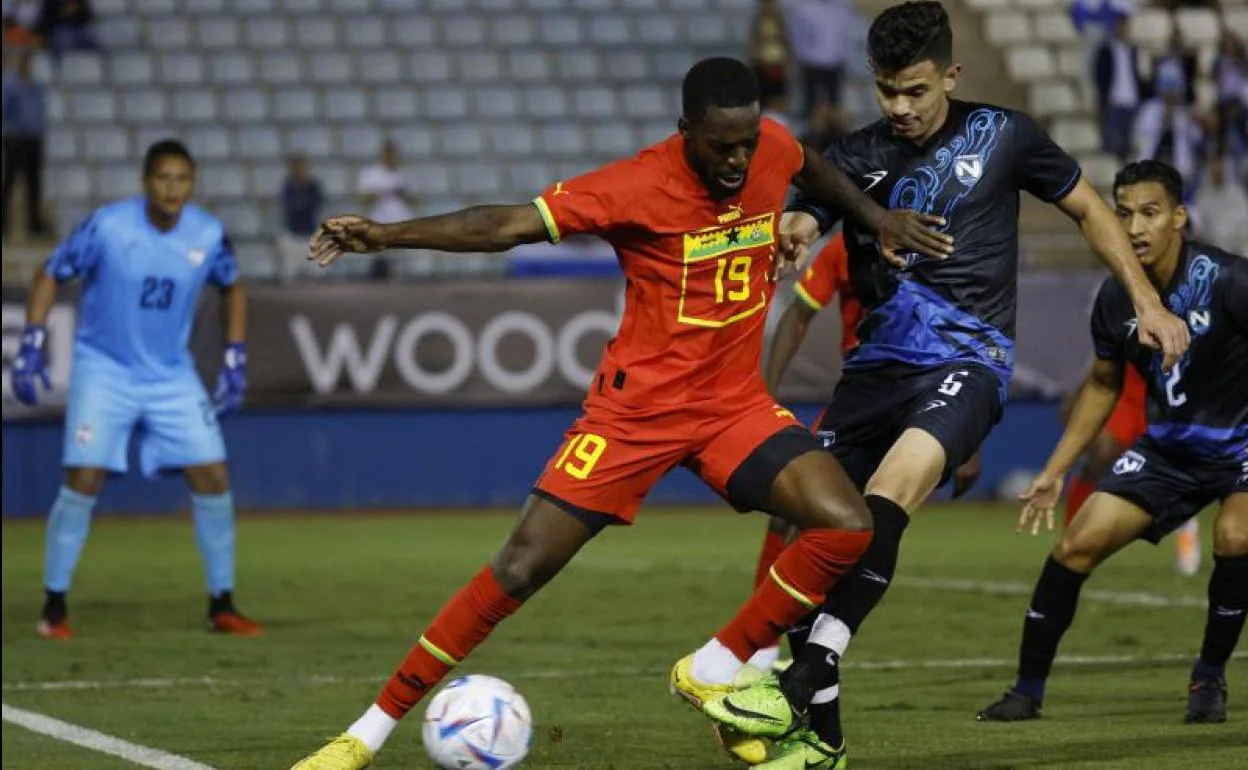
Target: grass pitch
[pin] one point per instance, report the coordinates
(344, 596)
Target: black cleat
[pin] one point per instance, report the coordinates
(1013, 707)
(1206, 702)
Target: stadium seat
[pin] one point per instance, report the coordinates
(105, 8)
(1006, 27)
(610, 29)
(989, 5)
(194, 105)
(217, 32)
(205, 7)
(231, 68)
(530, 177)
(654, 131)
(266, 33)
(512, 140)
(73, 183)
(593, 102)
(625, 65)
(592, 5)
(531, 66)
(462, 139)
(315, 32)
(398, 7)
(335, 178)
(296, 105)
(61, 144)
(689, 5)
(657, 30)
(245, 105)
(613, 140)
(145, 136)
(111, 181)
(1077, 135)
(463, 31)
(350, 7)
(330, 68)
(1073, 62)
(511, 30)
(209, 143)
(69, 215)
(546, 102)
(279, 69)
(494, 102)
(557, 31)
(414, 141)
(1198, 26)
(412, 31)
(91, 106)
(561, 139)
(434, 179)
(180, 69)
(578, 65)
(1053, 98)
(1056, 27)
(170, 34)
(480, 66)
(1151, 28)
(712, 31)
(429, 67)
(644, 102)
(1099, 170)
(381, 67)
(1237, 20)
(81, 68)
(359, 143)
(144, 106)
(671, 65)
(395, 104)
(446, 103)
(648, 5)
(1206, 95)
(241, 220)
(117, 33)
(253, 7)
(265, 178)
(449, 5)
(347, 106)
(476, 178)
(312, 141)
(1027, 63)
(106, 143)
(365, 34)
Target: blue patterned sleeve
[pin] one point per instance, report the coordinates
(77, 255)
(224, 270)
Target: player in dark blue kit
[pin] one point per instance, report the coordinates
(1194, 453)
(930, 377)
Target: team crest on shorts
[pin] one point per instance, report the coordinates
(195, 257)
(1131, 461)
(828, 437)
(84, 434)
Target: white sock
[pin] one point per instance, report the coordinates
(715, 664)
(373, 728)
(831, 633)
(826, 695)
(766, 657)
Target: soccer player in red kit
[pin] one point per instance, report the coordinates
(696, 224)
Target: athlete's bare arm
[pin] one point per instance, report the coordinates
(475, 229)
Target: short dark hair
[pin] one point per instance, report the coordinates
(165, 148)
(907, 34)
(1152, 171)
(717, 82)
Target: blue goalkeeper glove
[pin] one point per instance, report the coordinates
(233, 379)
(29, 365)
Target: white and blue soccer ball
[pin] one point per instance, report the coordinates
(477, 723)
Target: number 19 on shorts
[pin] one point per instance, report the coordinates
(581, 455)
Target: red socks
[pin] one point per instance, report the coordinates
(796, 585)
(773, 546)
(461, 624)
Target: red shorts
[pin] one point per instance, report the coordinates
(1129, 419)
(610, 461)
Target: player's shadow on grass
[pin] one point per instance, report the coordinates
(1075, 753)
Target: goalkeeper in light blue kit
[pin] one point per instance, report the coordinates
(143, 262)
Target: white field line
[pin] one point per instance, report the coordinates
(155, 683)
(97, 741)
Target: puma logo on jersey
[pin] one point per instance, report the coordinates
(559, 190)
(876, 177)
(735, 212)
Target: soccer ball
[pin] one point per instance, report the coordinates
(477, 723)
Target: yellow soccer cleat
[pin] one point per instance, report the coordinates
(346, 752)
(751, 751)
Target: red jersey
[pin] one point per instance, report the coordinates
(697, 270)
(827, 277)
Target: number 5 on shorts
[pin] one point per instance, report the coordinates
(585, 449)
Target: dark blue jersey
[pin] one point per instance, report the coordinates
(970, 172)
(1200, 408)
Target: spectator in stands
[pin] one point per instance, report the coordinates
(302, 199)
(1117, 77)
(1178, 62)
(1221, 209)
(25, 120)
(21, 17)
(384, 189)
(1166, 130)
(769, 46)
(68, 25)
(817, 30)
(1230, 76)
